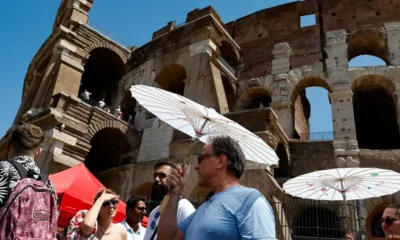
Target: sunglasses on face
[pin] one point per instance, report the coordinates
(141, 208)
(112, 202)
(388, 221)
(201, 157)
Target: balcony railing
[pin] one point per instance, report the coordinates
(316, 136)
(108, 35)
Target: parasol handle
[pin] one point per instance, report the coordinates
(347, 226)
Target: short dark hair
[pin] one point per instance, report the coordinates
(162, 163)
(26, 137)
(132, 202)
(226, 145)
(395, 206)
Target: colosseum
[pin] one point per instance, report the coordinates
(253, 70)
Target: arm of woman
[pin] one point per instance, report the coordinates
(90, 219)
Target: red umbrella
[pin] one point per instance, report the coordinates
(76, 188)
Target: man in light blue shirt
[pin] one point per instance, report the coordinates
(233, 212)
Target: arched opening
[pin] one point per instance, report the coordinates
(256, 97)
(374, 227)
(368, 42)
(228, 57)
(103, 69)
(375, 113)
(317, 222)
(312, 110)
(366, 61)
(110, 149)
(172, 79)
(283, 172)
(128, 106)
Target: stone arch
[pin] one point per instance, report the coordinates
(302, 107)
(308, 82)
(316, 221)
(103, 44)
(375, 112)
(372, 41)
(172, 78)
(255, 97)
(103, 72)
(229, 54)
(374, 230)
(95, 128)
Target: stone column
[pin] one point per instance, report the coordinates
(285, 113)
(46, 79)
(345, 143)
(336, 50)
(393, 36)
(281, 62)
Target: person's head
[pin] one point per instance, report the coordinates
(391, 220)
(160, 185)
(221, 157)
(135, 209)
(25, 140)
(109, 209)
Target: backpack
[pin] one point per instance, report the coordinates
(31, 211)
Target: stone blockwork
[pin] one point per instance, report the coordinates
(253, 70)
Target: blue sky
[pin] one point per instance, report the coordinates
(25, 26)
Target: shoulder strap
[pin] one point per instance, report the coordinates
(23, 173)
(154, 234)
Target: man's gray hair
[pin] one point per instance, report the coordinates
(226, 145)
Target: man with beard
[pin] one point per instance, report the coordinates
(159, 189)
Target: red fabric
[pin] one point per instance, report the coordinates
(76, 188)
(145, 221)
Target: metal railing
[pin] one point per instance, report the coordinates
(109, 35)
(315, 136)
(298, 219)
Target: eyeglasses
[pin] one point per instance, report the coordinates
(201, 157)
(153, 223)
(388, 221)
(141, 208)
(112, 202)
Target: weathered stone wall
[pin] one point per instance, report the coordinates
(310, 156)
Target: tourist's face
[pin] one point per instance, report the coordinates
(394, 228)
(138, 212)
(160, 186)
(206, 167)
(109, 209)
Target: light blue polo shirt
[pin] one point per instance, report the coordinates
(236, 213)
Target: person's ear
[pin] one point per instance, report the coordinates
(39, 151)
(222, 161)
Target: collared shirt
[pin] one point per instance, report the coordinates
(9, 177)
(132, 235)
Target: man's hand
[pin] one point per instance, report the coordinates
(349, 237)
(177, 179)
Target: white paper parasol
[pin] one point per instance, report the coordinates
(201, 122)
(353, 183)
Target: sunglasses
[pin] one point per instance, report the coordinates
(201, 157)
(388, 221)
(112, 202)
(141, 208)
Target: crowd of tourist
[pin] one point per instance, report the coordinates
(28, 201)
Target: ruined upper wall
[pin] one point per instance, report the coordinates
(257, 33)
